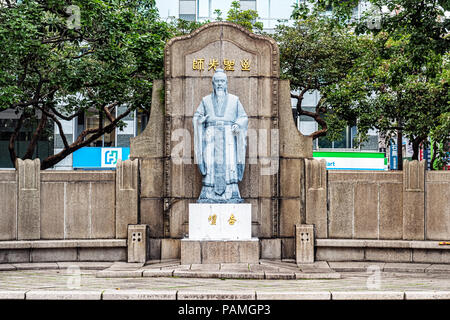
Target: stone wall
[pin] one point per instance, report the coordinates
(408, 205)
(65, 205)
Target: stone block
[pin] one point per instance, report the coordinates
(36, 266)
(355, 266)
(102, 254)
(367, 295)
(152, 214)
(152, 178)
(405, 267)
(138, 243)
(427, 295)
(214, 221)
(290, 215)
(304, 244)
(190, 252)
(158, 273)
(316, 196)
(438, 268)
(341, 210)
(216, 295)
(391, 211)
(170, 249)
(155, 249)
(63, 295)
(14, 255)
(291, 172)
(288, 248)
(77, 214)
(8, 215)
(12, 295)
(293, 295)
(388, 255)
(339, 254)
(50, 255)
(249, 251)
(365, 211)
(52, 210)
(179, 217)
(102, 200)
(431, 256)
(414, 200)
(270, 248)
(139, 295)
(29, 199)
(437, 210)
(127, 199)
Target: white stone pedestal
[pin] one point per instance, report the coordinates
(220, 221)
(220, 233)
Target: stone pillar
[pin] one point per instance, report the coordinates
(304, 244)
(148, 148)
(294, 148)
(29, 199)
(138, 244)
(414, 200)
(316, 196)
(127, 196)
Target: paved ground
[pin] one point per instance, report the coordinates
(357, 281)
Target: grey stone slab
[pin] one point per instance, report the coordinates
(367, 295)
(263, 267)
(270, 248)
(339, 254)
(405, 267)
(236, 267)
(354, 266)
(63, 295)
(102, 254)
(196, 274)
(279, 275)
(427, 295)
(53, 254)
(85, 265)
(241, 275)
(216, 295)
(126, 265)
(36, 266)
(14, 256)
(119, 274)
(139, 295)
(438, 268)
(317, 275)
(158, 273)
(293, 295)
(12, 295)
(7, 267)
(205, 267)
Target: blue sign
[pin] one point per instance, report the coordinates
(393, 156)
(99, 158)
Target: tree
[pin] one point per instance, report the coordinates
(245, 18)
(316, 53)
(61, 60)
(404, 83)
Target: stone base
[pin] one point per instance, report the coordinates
(220, 221)
(233, 251)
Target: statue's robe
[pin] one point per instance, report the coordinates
(220, 153)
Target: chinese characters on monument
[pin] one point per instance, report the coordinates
(229, 64)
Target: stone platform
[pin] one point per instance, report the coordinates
(225, 251)
(264, 269)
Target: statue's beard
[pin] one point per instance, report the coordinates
(220, 92)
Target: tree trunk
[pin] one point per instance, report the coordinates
(415, 145)
(433, 157)
(399, 150)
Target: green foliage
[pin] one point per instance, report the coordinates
(245, 18)
(315, 54)
(62, 65)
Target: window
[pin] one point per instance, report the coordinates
(188, 10)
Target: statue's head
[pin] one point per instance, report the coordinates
(219, 81)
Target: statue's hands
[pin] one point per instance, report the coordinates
(202, 119)
(235, 128)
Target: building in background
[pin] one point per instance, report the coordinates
(105, 151)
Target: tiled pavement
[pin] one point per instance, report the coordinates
(356, 281)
